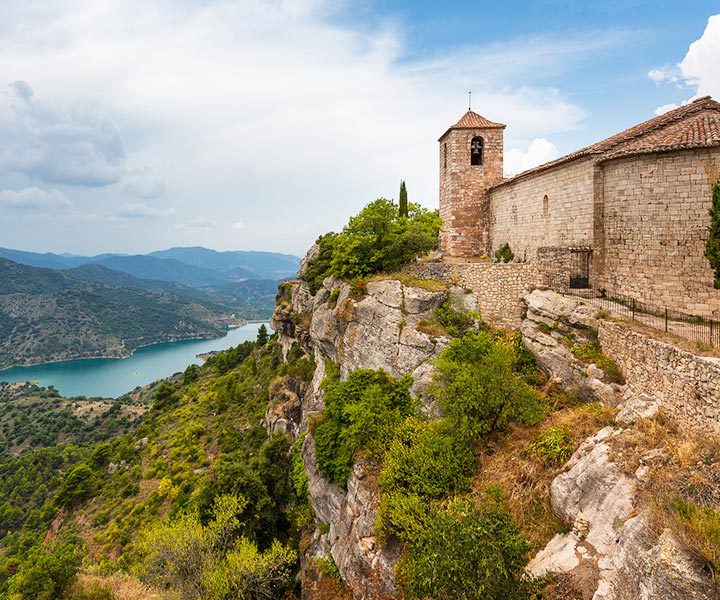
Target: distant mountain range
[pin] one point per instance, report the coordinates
(49, 315)
(194, 267)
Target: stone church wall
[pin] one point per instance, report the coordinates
(656, 219)
(521, 217)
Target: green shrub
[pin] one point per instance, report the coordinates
(553, 445)
(455, 321)
(427, 458)
(698, 527)
(46, 575)
(327, 566)
(298, 474)
(712, 245)
(478, 388)
(361, 412)
(333, 297)
(504, 253)
(592, 353)
(464, 551)
(377, 240)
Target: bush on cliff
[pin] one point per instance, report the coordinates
(361, 412)
(464, 550)
(479, 388)
(377, 240)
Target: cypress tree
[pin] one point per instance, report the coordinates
(403, 200)
(712, 246)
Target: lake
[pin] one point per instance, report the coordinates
(112, 377)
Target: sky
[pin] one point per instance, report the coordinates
(135, 125)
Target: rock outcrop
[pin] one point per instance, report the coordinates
(377, 328)
(611, 551)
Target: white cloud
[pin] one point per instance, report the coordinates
(701, 65)
(75, 145)
(198, 224)
(143, 184)
(661, 110)
(666, 74)
(132, 210)
(271, 99)
(34, 198)
(699, 69)
(539, 151)
(239, 225)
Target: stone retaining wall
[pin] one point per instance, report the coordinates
(498, 287)
(686, 386)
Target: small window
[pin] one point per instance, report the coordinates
(546, 206)
(476, 151)
(445, 155)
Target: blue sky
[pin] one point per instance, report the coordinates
(131, 125)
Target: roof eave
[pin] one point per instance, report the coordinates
(455, 127)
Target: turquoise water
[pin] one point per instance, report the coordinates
(112, 377)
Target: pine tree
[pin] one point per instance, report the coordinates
(403, 200)
(262, 336)
(712, 246)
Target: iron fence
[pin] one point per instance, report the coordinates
(702, 330)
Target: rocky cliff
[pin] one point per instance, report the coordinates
(615, 546)
(374, 328)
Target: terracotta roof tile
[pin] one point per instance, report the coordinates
(472, 120)
(694, 125)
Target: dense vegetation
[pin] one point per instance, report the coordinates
(33, 417)
(197, 499)
(712, 245)
(378, 239)
(457, 544)
(49, 315)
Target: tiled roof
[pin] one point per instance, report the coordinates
(472, 120)
(695, 125)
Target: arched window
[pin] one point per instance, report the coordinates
(546, 206)
(445, 155)
(476, 151)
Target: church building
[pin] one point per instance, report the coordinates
(628, 215)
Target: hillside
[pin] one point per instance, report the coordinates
(195, 267)
(249, 299)
(387, 443)
(48, 315)
(259, 265)
(150, 267)
(32, 418)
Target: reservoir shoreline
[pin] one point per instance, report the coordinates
(114, 376)
(124, 355)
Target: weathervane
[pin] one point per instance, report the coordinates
(469, 100)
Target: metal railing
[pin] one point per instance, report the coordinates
(699, 329)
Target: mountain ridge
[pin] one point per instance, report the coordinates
(48, 315)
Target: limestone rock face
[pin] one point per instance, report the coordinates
(611, 551)
(553, 319)
(375, 330)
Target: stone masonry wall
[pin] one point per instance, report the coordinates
(463, 199)
(685, 386)
(656, 219)
(521, 217)
(498, 288)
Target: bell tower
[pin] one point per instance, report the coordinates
(471, 161)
